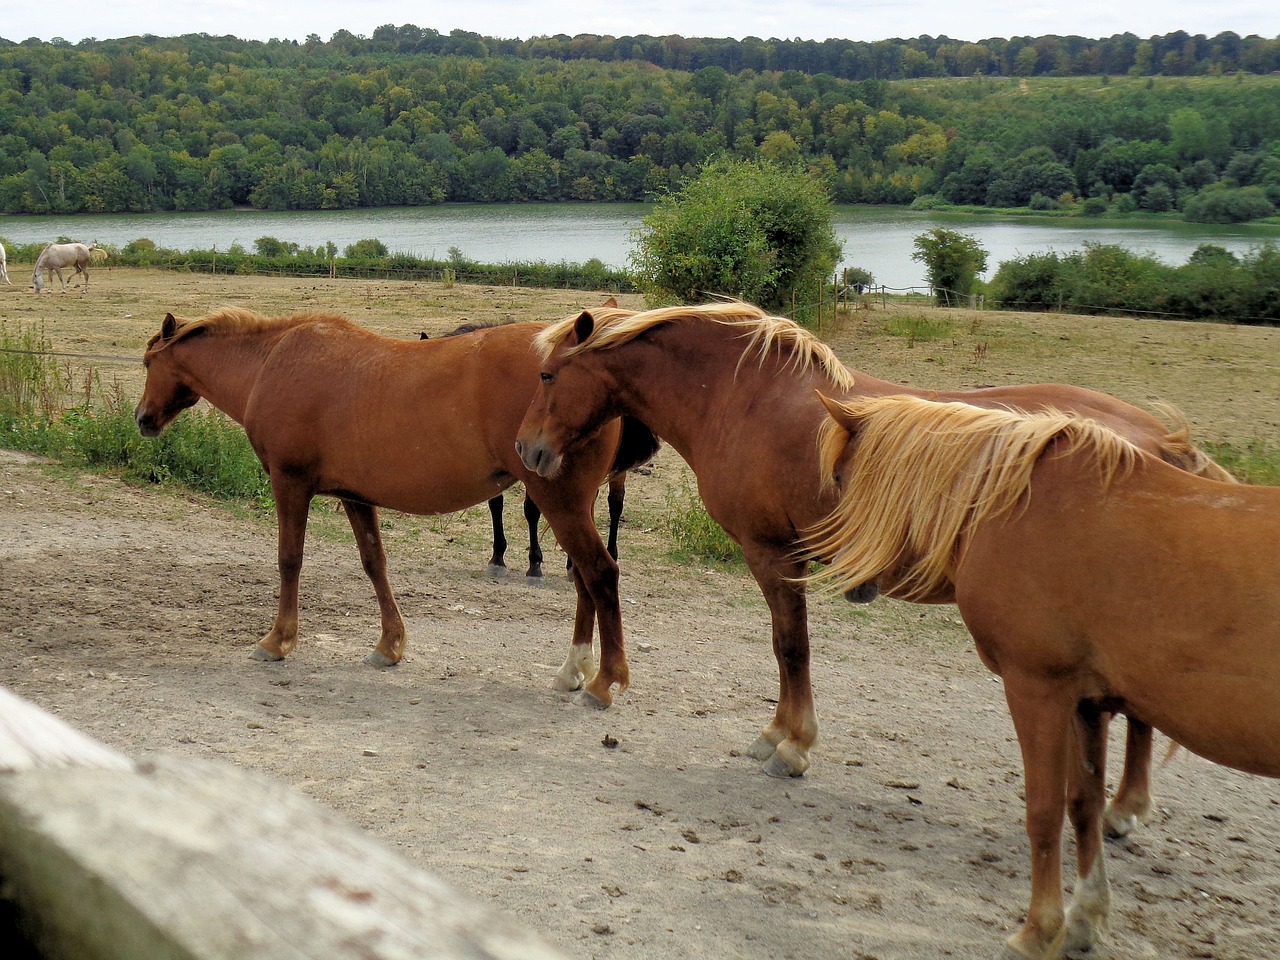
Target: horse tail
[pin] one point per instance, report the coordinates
(1177, 449)
(636, 447)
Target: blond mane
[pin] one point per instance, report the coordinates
(763, 333)
(236, 320)
(924, 473)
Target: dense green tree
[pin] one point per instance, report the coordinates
(755, 230)
(953, 263)
(1225, 204)
(410, 115)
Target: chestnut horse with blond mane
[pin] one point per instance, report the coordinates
(734, 391)
(1095, 579)
(422, 427)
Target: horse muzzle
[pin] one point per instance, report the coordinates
(863, 593)
(538, 457)
(147, 425)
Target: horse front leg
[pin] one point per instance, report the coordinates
(498, 559)
(531, 517)
(615, 499)
(364, 524)
(1086, 795)
(595, 578)
(1042, 718)
(292, 503)
(1131, 804)
(784, 745)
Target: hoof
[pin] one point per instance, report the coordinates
(534, 573)
(567, 684)
(495, 570)
(376, 659)
(262, 653)
(588, 699)
(762, 749)
(777, 767)
(1116, 825)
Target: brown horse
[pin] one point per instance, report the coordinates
(734, 391)
(417, 426)
(1094, 578)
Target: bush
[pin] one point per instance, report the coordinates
(748, 229)
(365, 250)
(1218, 204)
(953, 262)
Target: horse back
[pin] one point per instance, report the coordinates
(422, 426)
(1156, 596)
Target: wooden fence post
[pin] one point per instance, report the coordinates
(173, 857)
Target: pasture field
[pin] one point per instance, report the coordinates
(639, 832)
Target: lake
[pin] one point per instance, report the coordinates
(878, 239)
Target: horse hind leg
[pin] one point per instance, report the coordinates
(364, 524)
(1086, 788)
(1131, 804)
(616, 498)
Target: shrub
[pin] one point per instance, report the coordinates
(749, 229)
(953, 262)
(365, 250)
(1219, 204)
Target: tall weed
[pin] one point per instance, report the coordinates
(203, 449)
(693, 533)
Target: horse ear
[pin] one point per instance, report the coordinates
(839, 412)
(169, 327)
(611, 302)
(583, 326)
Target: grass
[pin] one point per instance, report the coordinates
(917, 328)
(694, 535)
(201, 450)
(79, 410)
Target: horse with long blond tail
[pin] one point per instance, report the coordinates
(1095, 579)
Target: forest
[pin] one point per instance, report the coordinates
(1175, 126)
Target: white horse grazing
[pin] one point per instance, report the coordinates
(58, 255)
(4, 266)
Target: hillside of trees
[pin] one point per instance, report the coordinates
(1175, 125)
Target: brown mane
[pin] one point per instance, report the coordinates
(614, 327)
(924, 473)
(236, 320)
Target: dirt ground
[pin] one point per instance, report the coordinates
(638, 832)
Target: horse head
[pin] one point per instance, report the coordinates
(572, 400)
(166, 393)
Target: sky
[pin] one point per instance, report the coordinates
(521, 19)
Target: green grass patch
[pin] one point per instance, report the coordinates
(694, 535)
(93, 426)
(916, 328)
(1256, 462)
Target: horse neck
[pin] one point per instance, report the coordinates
(689, 384)
(224, 368)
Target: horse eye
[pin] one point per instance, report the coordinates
(546, 377)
